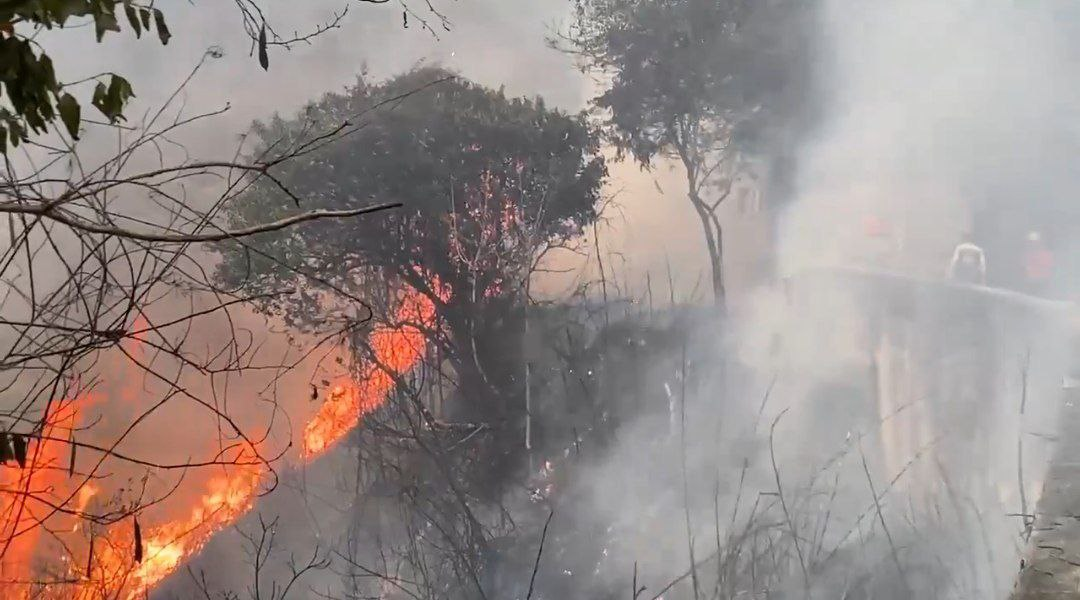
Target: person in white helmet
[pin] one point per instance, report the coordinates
(968, 263)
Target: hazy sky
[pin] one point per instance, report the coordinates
(494, 42)
(931, 103)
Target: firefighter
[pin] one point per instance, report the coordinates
(879, 234)
(968, 263)
(1038, 265)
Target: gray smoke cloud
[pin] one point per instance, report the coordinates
(936, 109)
(932, 108)
(934, 113)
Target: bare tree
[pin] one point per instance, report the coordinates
(105, 284)
(693, 81)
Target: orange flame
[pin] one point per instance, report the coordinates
(139, 327)
(86, 494)
(101, 564)
(396, 351)
(114, 570)
(27, 497)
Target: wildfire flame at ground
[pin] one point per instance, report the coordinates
(21, 510)
(115, 573)
(100, 562)
(396, 351)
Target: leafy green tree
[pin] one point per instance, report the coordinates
(683, 79)
(489, 185)
(34, 96)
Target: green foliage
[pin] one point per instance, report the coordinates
(685, 75)
(693, 80)
(112, 99)
(457, 155)
(30, 87)
(667, 64)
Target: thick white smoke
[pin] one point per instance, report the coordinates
(937, 111)
(934, 111)
(936, 108)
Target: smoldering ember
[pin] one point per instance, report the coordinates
(539, 300)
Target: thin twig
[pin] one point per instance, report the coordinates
(784, 506)
(1028, 523)
(539, 553)
(881, 519)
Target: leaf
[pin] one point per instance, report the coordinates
(34, 119)
(71, 460)
(90, 558)
(138, 540)
(70, 113)
(133, 19)
(6, 455)
(98, 99)
(162, 29)
(112, 99)
(121, 88)
(264, 59)
(144, 16)
(103, 22)
(19, 444)
(47, 73)
(16, 133)
(3, 140)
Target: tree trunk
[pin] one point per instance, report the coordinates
(714, 243)
(710, 224)
(487, 361)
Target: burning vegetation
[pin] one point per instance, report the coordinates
(395, 350)
(164, 319)
(122, 556)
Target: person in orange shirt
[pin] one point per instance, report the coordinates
(881, 248)
(1038, 265)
